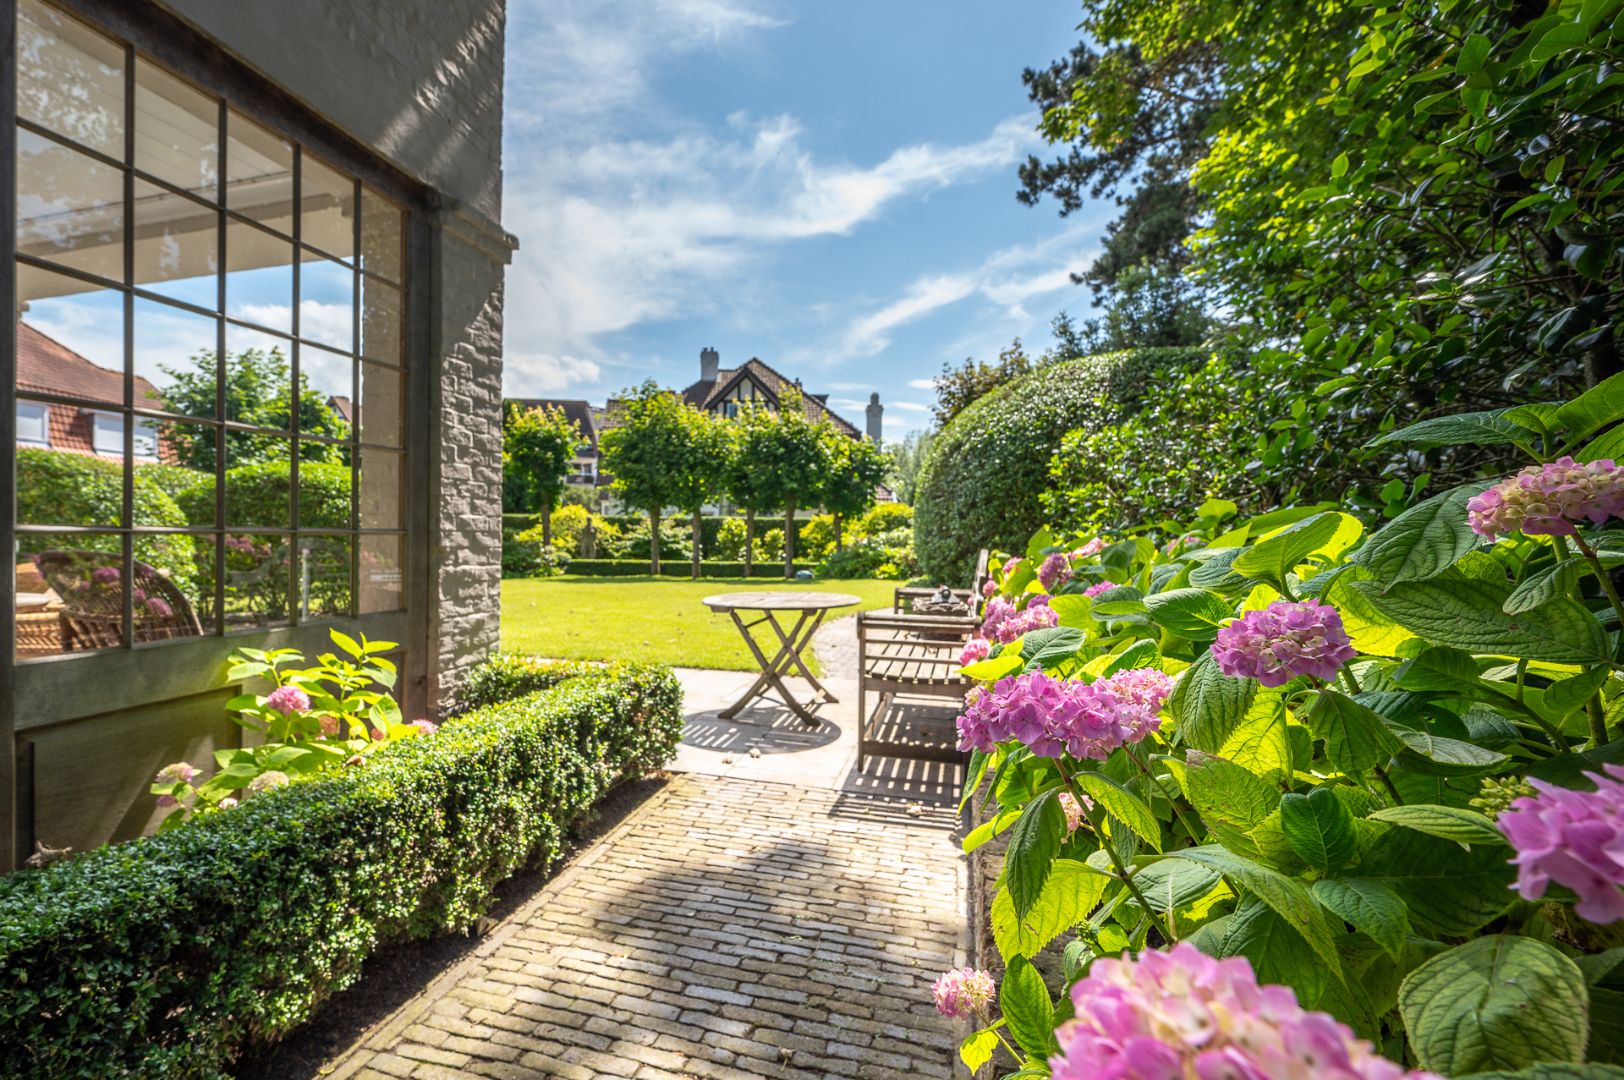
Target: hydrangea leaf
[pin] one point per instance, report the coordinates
(1288, 897)
(1319, 828)
(1557, 1072)
(978, 1048)
(1207, 705)
(1260, 743)
(1033, 844)
(1230, 799)
(1499, 1002)
(1425, 540)
(1369, 907)
(1124, 805)
(1449, 822)
(1071, 892)
(1355, 736)
(1466, 613)
(1490, 428)
(1279, 954)
(1027, 1008)
(1450, 890)
(1190, 613)
(1370, 631)
(1171, 884)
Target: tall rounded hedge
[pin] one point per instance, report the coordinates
(982, 480)
(259, 494)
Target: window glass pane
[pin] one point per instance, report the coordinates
(324, 492)
(380, 586)
(176, 359)
(381, 492)
(327, 208)
(259, 378)
(172, 591)
(259, 173)
(177, 246)
(107, 433)
(176, 488)
(258, 496)
(70, 593)
(259, 277)
(256, 585)
(33, 423)
(70, 339)
(327, 303)
(70, 207)
(380, 322)
(324, 576)
(381, 230)
(55, 487)
(381, 404)
(69, 78)
(329, 384)
(177, 132)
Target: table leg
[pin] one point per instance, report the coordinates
(796, 647)
(772, 671)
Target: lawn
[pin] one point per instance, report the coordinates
(646, 618)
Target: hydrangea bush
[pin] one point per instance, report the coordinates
(1303, 800)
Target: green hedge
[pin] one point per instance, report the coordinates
(983, 478)
(259, 495)
(166, 956)
(677, 568)
(708, 524)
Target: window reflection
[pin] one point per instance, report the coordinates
(327, 303)
(327, 409)
(381, 560)
(259, 277)
(177, 132)
(70, 592)
(381, 327)
(175, 359)
(326, 208)
(258, 480)
(70, 79)
(381, 222)
(256, 580)
(324, 576)
(70, 207)
(259, 378)
(381, 479)
(259, 174)
(177, 246)
(381, 401)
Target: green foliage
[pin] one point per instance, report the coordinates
(853, 469)
(663, 453)
(884, 518)
(1186, 445)
(984, 478)
(257, 385)
(818, 536)
(721, 568)
(888, 556)
(172, 479)
(538, 452)
(167, 956)
(262, 494)
(907, 454)
(528, 554)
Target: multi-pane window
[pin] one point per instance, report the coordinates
(211, 370)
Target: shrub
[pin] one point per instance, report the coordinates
(884, 517)
(982, 481)
(173, 479)
(525, 554)
(55, 487)
(1187, 445)
(168, 955)
(730, 539)
(763, 568)
(889, 557)
(676, 541)
(513, 675)
(817, 536)
(260, 494)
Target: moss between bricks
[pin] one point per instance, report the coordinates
(166, 956)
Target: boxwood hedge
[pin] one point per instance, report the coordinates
(983, 478)
(166, 956)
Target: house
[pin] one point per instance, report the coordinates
(188, 178)
(584, 467)
(725, 390)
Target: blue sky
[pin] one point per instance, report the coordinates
(827, 186)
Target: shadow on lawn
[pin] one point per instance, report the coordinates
(395, 974)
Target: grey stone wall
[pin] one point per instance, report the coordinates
(420, 82)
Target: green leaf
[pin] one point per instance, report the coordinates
(1050, 645)
(1462, 429)
(1557, 1072)
(1499, 1002)
(1122, 804)
(347, 643)
(975, 772)
(994, 668)
(1559, 39)
(1425, 540)
(1368, 907)
(1324, 534)
(1450, 890)
(1609, 445)
(1041, 541)
(1033, 844)
(1279, 954)
(989, 829)
(1190, 613)
(1230, 800)
(1140, 654)
(1570, 695)
(1356, 739)
(1027, 1008)
(1287, 896)
(1261, 744)
(1207, 705)
(1319, 828)
(1473, 54)
(1449, 822)
(1592, 410)
(1072, 891)
(1466, 612)
(1170, 884)
(1370, 631)
(978, 1048)
(1543, 586)
(1440, 756)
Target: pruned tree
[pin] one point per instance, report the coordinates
(746, 484)
(645, 452)
(700, 469)
(856, 468)
(538, 446)
(793, 456)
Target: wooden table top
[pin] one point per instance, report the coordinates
(780, 601)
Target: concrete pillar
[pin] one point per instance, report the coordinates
(875, 415)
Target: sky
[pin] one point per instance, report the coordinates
(828, 186)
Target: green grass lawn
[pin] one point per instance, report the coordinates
(648, 618)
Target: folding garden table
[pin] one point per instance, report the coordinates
(810, 607)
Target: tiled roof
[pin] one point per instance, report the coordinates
(706, 394)
(46, 366)
(343, 406)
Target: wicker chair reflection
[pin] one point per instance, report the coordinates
(92, 614)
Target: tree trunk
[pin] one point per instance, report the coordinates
(654, 542)
(789, 542)
(696, 545)
(840, 533)
(547, 524)
(749, 541)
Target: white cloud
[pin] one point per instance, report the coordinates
(922, 384)
(908, 406)
(538, 374)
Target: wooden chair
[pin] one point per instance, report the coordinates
(901, 652)
(92, 614)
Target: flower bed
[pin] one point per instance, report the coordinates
(167, 955)
(1363, 788)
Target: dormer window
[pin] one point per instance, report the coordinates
(33, 424)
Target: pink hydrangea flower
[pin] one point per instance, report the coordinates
(1549, 500)
(266, 781)
(425, 727)
(1094, 590)
(1181, 1015)
(1053, 716)
(1283, 641)
(329, 726)
(159, 607)
(977, 648)
(1074, 810)
(1010, 564)
(166, 801)
(963, 992)
(1093, 547)
(180, 772)
(1575, 838)
(105, 575)
(1054, 571)
(288, 700)
(1141, 685)
(1003, 623)
(989, 587)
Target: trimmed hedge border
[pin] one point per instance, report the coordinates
(677, 568)
(166, 956)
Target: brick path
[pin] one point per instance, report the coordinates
(729, 929)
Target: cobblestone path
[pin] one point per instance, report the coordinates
(728, 929)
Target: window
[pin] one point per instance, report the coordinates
(33, 424)
(208, 285)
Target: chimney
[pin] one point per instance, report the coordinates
(875, 412)
(710, 364)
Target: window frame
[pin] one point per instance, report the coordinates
(44, 440)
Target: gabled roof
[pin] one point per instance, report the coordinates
(46, 366)
(707, 394)
(579, 411)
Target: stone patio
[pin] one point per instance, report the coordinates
(771, 912)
